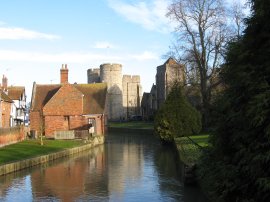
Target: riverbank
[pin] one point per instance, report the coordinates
(190, 150)
(45, 157)
(140, 127)
(132, 124)
(32, 148)
(131, 130)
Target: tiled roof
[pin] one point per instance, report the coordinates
(94, 96)
(15, 92)
(42, 94)
(5, 97)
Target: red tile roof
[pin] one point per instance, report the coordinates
(94, 96)
(5, 97)
(15, 92)
(42, 94)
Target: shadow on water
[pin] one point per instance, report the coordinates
(168, 164)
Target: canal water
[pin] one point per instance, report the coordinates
(128, 167)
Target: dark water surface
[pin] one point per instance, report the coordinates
(128, 167)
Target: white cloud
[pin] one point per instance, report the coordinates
(103, 45)
(16, 33)
(74, 57)
(68, 57)
(146, 55)
(149, 15)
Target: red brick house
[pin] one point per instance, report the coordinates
(5, 110)
(65, 107)
(18, 98)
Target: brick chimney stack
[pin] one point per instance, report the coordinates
(4, 83)
(64, 74)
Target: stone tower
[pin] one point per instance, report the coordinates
(93, 75)
(167, 74)
(112, 75)
(132, 95)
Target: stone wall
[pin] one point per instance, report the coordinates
(93, 75)
(124, 92)
(166, 75)
(161, 85)
(112, 75)
(132, 95)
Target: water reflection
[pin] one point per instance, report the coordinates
(72, 179)
(129, 167)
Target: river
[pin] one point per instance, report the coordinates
(128, 167)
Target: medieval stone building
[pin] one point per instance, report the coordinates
(166, 75)
(124, 91)
(149, 104)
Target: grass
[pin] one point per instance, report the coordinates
(201, 140)
(132, 124)
(32, 148)
(190, 150)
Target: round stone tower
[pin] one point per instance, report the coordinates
(112, 75)
(93, 75)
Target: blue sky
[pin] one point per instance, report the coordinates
(37, 36)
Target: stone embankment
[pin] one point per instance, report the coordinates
(19, 165)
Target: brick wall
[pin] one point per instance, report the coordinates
(62, 123)
(11, 135)
(35, 121)
(64, 74)
(6, 108)
(55, 123)
(66, 102)
(78, 123)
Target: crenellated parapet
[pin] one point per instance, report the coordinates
(93, 75)
(124, 92)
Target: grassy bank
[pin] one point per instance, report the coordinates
(132, 125)
(32, 148)
(190, 149)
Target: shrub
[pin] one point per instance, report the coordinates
(177, 117)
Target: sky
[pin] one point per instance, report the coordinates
(38, 36)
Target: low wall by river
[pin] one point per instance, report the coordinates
(11, 135)
(19, 165)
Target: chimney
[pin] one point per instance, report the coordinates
(4, 83)
(64, 74)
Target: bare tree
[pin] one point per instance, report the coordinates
(238, 16)
(201, 30)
